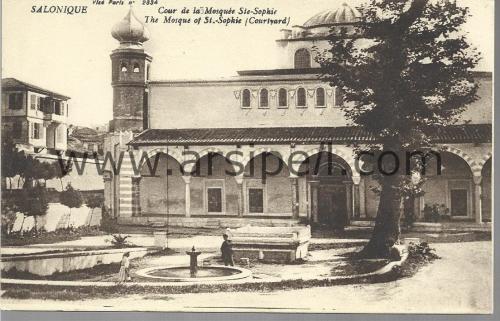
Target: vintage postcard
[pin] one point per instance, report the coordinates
(233, 156)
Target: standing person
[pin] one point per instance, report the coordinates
(124, 274)
(227, 251)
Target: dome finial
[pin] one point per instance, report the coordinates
(130, 31)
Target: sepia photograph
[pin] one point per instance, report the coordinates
(284, 156)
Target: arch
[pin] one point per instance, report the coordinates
(123, 67)
(486, 158)
(136, 68)
(282, 97)
(245, 98)
(163, 150)
(349, 160)
(302, 59)
(212, 150)
(320, 97)
(301, 97)
(475, 168)
(264, 98)
(337, 157)
(162, 192)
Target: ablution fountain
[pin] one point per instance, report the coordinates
(193, 272)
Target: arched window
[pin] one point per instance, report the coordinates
(123, 67)
(282, 97)
(245, 98)
(264, 98)
(136, 67)
(301, 97)
(338, 97)
(302, 59)
(320, 97)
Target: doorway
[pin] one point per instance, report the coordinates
(332, 205)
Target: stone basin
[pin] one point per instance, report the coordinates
(204, 274)
(271, 244)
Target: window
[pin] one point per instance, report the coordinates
(123, 67)
(214, 197)
(33, 101)
(136, 67)
(320, 97)
(17, 128)
(62, 108)
(338, 98)
(282, 97)
(256, 200)
(264, 98)
(57, 107)
(245, 98)
(301, 97)
(39, 103)
(35, 130)
(16, 101)
(302, 59)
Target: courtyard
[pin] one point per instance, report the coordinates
(461, 277)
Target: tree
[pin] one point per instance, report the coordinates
(71, 198)
(62, 170)
(9, 216)
(34, 202)
(405, 73)
(94, 201)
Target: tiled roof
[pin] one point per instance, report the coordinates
(478, 133)
(12, 83)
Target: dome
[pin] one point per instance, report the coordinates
(344, 14)
(130, 30)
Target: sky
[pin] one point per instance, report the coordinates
(69, 54)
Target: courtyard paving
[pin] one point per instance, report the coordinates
(462, 278)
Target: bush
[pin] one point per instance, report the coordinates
(422, 251)
(71, 197)
(436, 212)
(108, 223)
(120, 241)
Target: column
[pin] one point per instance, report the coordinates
(362, 199)
(356, 196)
(241, 195)
(314, 185)
(187, 194)
(136, 196)
(295, 197)
(477, 198)
(349, 201)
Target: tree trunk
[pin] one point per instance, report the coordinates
(69, 218)
(35, 224)
(22, 225)
(387, 229)
(91, 213)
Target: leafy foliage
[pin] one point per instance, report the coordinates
(70, 197)
(404, 73)
(9, 215)
(120, 241)
(34, 202)
(94, 201)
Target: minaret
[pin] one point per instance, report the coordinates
(130, 74)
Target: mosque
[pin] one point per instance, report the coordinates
(229, 134)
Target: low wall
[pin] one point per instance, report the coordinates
(206, 222)
(48, 264)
